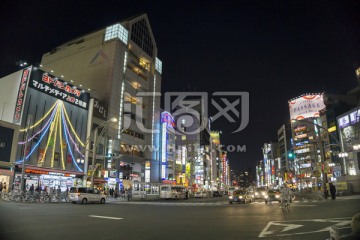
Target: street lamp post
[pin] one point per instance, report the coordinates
(94, 133)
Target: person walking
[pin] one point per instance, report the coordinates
(326, 192)
(32, 188)
(332, 191)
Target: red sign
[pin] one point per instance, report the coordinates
(21, 95)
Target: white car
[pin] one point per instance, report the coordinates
(200, 194)
(85, 195)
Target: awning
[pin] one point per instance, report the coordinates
(49, 171)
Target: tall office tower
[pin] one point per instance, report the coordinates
(118, 65)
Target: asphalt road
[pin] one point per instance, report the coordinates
(207, 219)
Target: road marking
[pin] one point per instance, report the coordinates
(287, 227)
(303, 205)
(114, 218)
(268, 231)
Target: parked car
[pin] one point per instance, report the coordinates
(273, 195)
(85, 195)
(217, 194)
(200, 194)
(240, 196)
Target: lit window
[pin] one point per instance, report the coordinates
(158, 65)
(117, 31)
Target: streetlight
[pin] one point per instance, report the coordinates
(94, 133)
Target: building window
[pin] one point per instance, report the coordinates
(141, 36)
(117, 31)
(158, 65)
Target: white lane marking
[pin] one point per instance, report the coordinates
(114, 218)
(287, 227)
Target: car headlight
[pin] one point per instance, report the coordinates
(266, 196)
(277, 196)
(240, 197)
(256, 193)
(230, 197)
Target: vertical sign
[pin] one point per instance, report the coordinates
(21, 96)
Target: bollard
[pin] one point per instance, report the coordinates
(355, 224)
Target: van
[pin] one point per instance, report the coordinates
(85, 195)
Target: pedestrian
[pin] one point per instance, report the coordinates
(186, 194)
(32, 188)
(332, 191)
(1, 187)
(326, 192)
(4, 187)
(129, 194)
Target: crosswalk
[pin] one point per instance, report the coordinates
(220, 203)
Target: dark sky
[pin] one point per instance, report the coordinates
(275, 50)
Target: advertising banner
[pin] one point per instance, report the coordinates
(306, 106)
(21, 95)
(55, 87)
(41, 157)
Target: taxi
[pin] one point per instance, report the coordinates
(240, 196)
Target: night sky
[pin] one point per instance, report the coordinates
(275, 50)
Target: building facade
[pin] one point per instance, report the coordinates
(119, 66)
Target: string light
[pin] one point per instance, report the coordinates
(42, 119)
(51, 132)
(37, 133)
(55, 135)
(61, 148)
(72, 129)
(72, 140)
(67, 142)
(36, 145)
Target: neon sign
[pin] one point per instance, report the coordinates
(167, 119)
(21, 94)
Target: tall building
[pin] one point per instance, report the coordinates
(118, 65)
(286, 165)
(270, 161)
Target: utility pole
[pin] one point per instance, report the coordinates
(25, 150)
(93, 158)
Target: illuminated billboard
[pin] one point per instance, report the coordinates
(306, 106)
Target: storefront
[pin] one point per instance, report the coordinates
(48, 178)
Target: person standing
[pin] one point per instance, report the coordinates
(1, 187)
(332, 191)
(4, 187)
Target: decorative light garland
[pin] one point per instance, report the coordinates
(37, 144)
(72, 129)
(37, 133)
(42, 119)
(67, 141)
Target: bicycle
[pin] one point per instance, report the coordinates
(44, 197)
(285, 206)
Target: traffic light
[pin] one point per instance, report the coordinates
(290, 155)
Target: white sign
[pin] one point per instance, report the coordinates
(306, 106)
(344, 121)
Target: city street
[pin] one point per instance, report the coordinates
(209, 218)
